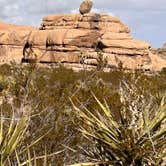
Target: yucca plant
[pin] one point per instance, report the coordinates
(13, 151)
(10, 139)
(14, 130)
(137, 137)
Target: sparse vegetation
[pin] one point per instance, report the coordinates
(101, 61)
(44, 92)
(136, 137)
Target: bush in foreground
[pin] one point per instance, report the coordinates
(47, 90)
(136, 137)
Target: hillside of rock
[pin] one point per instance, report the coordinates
(78, 41)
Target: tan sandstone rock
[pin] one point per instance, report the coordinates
(5, 26)
(12, 41)
(85, 6)
(79, 41)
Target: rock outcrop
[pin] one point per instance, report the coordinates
(11, 27)
(79, 41)
(76, 39)
(12, 41)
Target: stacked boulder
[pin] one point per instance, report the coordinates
(78, 40)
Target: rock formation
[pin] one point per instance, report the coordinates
(12, 41)
(11, 27)
(85, 6)
(69, 37)
(79, 42)
(160, 52)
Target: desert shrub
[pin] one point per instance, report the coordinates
(14, 130)
(137, 136)
(48, 89)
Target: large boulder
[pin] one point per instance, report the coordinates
(85, 6)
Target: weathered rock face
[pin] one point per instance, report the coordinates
(79, 41)
(12, 41)
(161, 52)
(75, 39)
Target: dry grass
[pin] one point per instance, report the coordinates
(137, 137)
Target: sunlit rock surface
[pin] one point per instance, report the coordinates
(78, 41)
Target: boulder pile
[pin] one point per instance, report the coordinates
(79, 42)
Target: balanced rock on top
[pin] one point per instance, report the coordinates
(86, 6)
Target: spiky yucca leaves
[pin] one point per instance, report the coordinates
(138, 137)
(15, 125)
(10, 139)
(13, 151)
(13, 131)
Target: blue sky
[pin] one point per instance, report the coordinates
(146, 18)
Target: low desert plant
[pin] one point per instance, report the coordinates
(18, 146)
(101, 61)
(14, 131)
(10, 139)
(136, 137)
(47, 90)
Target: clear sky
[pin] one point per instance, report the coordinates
(146, 18)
